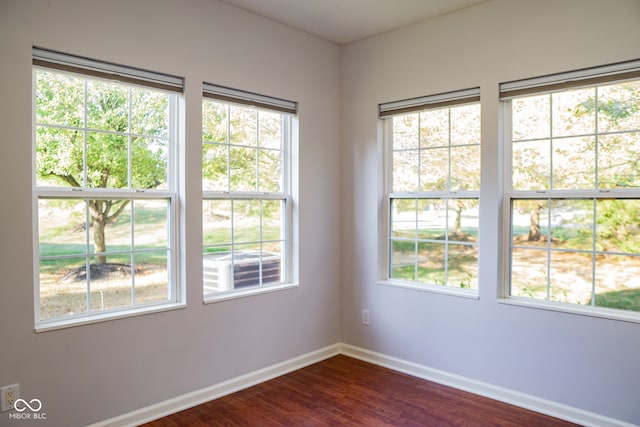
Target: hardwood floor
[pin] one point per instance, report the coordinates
(342, 391)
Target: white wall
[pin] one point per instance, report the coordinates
(94, 372)
(585, 362)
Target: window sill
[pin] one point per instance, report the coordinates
(104, 317)
(456, 292)
(224, 296)
(602, 312)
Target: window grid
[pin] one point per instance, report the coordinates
(105, 283)
(271, 252)
(594, 197)
(422, 197)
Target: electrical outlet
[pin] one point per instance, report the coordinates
(365, 317)
(8, 396)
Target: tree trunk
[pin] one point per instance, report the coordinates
(98, 239)
(457, 230)
(534, 224)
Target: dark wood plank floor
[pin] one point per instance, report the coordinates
(342, 391)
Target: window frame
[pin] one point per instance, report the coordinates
(287, 195)
(90, 70)
(588, 78)
(387, 111)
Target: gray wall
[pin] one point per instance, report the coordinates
(586, 362)
(94, 372)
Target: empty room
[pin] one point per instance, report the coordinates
(302, 199)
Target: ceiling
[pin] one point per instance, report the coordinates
(346, 21)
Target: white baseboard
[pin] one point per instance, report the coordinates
(543, 406)
(216, 391)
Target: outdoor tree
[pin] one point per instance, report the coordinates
(97, 134)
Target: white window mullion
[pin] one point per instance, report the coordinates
(132, 255)
(85, 177)
(257, 149)
(228, 142)
(87, 213)
(129, 142)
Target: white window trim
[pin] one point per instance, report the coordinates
(568, 80)
(87, 68)
(385, 132)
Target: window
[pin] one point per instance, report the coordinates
(104, 189)
(433, 186)
(573, 190)
(247, 191)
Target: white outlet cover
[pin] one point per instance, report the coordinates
(4, 391)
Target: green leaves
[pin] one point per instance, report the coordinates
(114, 134)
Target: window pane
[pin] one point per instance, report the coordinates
(529, 273)
(530, 222)
(110, 282)
(272, 219)
(405, 170)
(574, 164)
(434, 169)
(271, 266)
(107, 106)
(62, 227)
(618, 282)
(531, 118)
(107, 160)
(149, 112)
(434, 128)
(63, 287)
(463, 220)
(618, 107)
(214, 167)
(246, 220)
(111, 226)
(465, 168)
(569, 115)
(531, 165)
(462, 266)
(403, 218)
(618, 225)
(572, 224)
(216, 222)
(151, 277)
(432, 219)
(406, 134)
(269, 170)
(571, 277)
(465, 125)
(151, 224)
(431, 263)
(242, 164)
(243, 125)
(246, 265)
(403, 255)
(59, 99)
(215, 124)
(270, 130)
(619, 160)
(59, 157)
(149, 163)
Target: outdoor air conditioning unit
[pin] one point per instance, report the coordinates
(221, 273)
